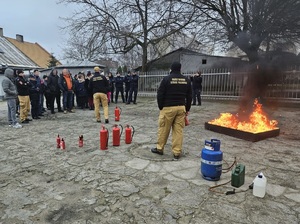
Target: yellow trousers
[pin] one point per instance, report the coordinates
(171, 117)
(24, 107)
(100, 97)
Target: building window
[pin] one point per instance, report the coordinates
(204, 61)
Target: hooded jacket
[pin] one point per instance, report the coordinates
(52, 83)
(8, 84)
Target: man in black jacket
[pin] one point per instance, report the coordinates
(23, 95)
(174, 97)
(100, 86)
(119, 81)
(197, 87)
(134, 84)
(54, 91)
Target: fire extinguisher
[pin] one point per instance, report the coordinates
(129, 132)
(58, 142)
(117, 132)
(118, 112)
(80, 141)
(103, 138)
(62, 144)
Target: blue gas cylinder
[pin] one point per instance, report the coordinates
(211, 160)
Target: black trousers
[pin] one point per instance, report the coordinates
(196, 93)
(133, 91)
(52, 98)
(34, 100)
(119, 90)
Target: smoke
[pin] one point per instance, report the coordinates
(261, 75)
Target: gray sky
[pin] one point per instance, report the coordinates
(37, 20)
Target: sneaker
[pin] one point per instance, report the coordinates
(65, 111)
(36, 118)
(71, 111)
(17, 125)
(155, 150)
(176, 157)
(10, 125)
(25, 122)
(106, 121)
(28, 119)
(99, 121)
(52, 112)
(60, 111)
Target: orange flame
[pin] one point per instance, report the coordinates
(257, 122)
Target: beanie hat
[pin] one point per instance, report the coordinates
(97, 69)
(176, 66)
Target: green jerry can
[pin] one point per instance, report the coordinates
(238, 176)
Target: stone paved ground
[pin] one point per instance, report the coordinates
(128, 184)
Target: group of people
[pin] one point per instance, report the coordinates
(174, 97)
(27, 95)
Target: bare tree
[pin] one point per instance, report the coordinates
(121, 25)
(250, 24)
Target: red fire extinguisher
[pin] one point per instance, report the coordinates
(117, 132)
(58, 142)
(62, 144)
(80, 141)
(129, 132)
(118, 112)
(103, 138)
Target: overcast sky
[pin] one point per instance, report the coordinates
(37, 20)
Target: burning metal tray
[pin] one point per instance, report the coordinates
(248, 136)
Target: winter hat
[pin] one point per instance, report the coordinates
(97, 69)
(88, 73)
(176, 66)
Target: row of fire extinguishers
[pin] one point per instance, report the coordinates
(116, 135)
(104, 136)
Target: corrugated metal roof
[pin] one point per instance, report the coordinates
(12, 56)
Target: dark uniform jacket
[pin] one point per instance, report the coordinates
(119, 82)
(134, 81)
(99, 84)
(174, 90)
(197, 82)
(22, 86)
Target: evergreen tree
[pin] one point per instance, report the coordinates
(119, 70)
(52, 62)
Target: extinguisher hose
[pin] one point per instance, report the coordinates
(132, 132)
(107, 137)
(121, 130)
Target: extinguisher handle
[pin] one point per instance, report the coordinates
(120, 110)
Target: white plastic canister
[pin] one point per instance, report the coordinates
(260, 185)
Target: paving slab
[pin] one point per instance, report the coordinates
(128, 184)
